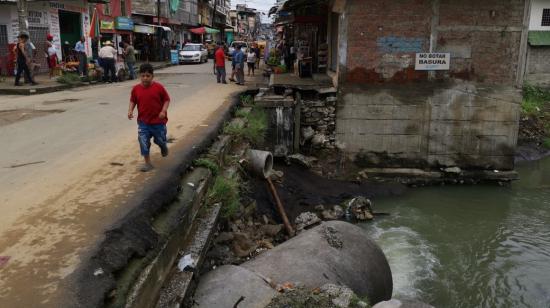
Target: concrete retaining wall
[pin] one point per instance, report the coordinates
(461, 124)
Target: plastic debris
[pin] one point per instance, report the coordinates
(186, 263)
(99, 271)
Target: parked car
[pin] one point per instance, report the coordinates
(193, 53)
(244, 47)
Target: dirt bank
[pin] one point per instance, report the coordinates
(534, 126)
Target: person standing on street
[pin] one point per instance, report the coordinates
(239, 59)
(51, 54)
(107, 57)
(80, 49)
(130, 59)
(152, 101)
(23, 60)
(251, 61)
(219, 64)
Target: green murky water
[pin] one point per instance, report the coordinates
(477, 246)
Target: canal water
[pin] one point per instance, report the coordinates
(471, 246)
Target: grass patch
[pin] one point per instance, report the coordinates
(255, 129)
(69, 78)
(241, 113)
(207, 163)
(225, 191)
(247, 100)
(534, 99)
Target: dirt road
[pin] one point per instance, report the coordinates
(68, 162)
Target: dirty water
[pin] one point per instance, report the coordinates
(471, 246)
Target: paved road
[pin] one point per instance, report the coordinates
(67, 164)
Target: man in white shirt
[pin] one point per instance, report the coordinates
(80, 49)
(107, 59)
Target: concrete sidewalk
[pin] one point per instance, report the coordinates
(47, 85)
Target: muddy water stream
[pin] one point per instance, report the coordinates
(476, 246)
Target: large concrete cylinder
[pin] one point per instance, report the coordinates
(335, 252)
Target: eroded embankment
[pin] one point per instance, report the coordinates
(103, 280)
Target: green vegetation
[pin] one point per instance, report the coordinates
(241, 113)
(207, 163)
(546, 143)
(225, 191)
(69, 78)
(534, 99)
(255, 129)
(247, 100)
(274, 57)
(355, 300)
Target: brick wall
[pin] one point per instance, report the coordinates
(396, 116)
(483, 38)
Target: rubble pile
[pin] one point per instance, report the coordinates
(318, 123)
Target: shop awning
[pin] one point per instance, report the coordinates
(204, 30)
(539, 38)
(149, 29)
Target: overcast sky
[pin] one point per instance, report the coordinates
(261, 5)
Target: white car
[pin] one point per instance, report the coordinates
(193, 53)
(244, 47)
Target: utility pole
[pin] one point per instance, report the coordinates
(22, 15)
(158, 13)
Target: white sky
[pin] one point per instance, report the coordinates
(260, 5)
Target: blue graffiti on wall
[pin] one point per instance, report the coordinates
(393, 44)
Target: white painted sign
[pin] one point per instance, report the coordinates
(432, 61)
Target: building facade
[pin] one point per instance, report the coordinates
(421, 83)
(538, 49)
(66, 20)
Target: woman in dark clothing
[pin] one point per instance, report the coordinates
(23, 60)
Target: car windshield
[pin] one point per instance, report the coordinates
(192, 48)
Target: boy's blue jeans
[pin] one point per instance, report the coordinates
(146, 131)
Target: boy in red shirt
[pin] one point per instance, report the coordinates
(219, 64)
(152, 102)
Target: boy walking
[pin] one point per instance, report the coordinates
(152, 102)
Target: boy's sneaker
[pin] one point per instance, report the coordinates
(146, 168)
(164, 151)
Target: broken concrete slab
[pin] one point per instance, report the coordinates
(177, 287)
(233, 286)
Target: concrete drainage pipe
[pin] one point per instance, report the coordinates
(260, 163)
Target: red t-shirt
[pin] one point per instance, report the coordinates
(220, 57)
(149, 102)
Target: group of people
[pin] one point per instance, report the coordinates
(251, 57)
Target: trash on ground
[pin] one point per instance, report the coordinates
(186, 263)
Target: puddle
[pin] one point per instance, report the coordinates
(15, 115)
(60, 101)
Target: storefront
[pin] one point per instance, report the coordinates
(146, 39)
(69, 20)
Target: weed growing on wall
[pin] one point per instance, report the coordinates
(225, 191)
(255, 129)
(534, 99)
(207, 163)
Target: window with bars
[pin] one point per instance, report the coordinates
(545, 18)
